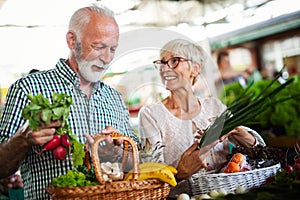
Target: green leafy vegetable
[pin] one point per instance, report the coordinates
(41, 110)
(73, 178)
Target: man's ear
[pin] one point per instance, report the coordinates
(71, 39)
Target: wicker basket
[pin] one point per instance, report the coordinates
(132, 189)
(203, 183)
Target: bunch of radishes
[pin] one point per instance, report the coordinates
(59, 145)
(288, 174)
(41, 110)
(293, 170)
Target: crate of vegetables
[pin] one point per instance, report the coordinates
(247, 168)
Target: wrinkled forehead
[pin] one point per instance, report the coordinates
(102, 29)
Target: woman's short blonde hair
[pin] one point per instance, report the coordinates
(186, 48)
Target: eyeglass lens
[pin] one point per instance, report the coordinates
(172, 63)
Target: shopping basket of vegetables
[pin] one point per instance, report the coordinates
(242, 111)
(247, 168)
(143, 181)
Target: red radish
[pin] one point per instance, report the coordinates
(296, 166)
(52, 143)
(288, 169)
(64, 139)
(60, 152)
(297, 160)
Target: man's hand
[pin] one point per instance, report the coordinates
(41, 136)
(110, 150)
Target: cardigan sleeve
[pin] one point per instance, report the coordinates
(151, 141)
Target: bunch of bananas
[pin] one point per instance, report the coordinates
(160, 171)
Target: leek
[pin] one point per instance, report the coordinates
(242, 110)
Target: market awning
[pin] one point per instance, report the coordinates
(270, 27)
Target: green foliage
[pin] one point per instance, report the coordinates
(283, 109)
(41, 110)
(73, 178)
(245, 108)
(231, 92)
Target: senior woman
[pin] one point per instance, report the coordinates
(175, 124)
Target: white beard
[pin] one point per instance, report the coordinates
(85, 67)
(86, 71)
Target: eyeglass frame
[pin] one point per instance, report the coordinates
(180, 59)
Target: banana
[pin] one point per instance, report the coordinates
(163, 172)
(157, 165)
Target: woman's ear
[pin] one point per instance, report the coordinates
(196, 69)
(71, 39)
(195, 73)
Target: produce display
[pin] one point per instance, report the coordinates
(246, 107)
(283, 117)
(64, 142)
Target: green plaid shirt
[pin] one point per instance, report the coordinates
(105, 108)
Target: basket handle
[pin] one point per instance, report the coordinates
(126, 140)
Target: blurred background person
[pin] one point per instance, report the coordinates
(228, 74)
(12, 187)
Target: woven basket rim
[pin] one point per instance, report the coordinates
(239, 173)
(204, 183)
(148, 184)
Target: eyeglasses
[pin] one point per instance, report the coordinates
(172, 63)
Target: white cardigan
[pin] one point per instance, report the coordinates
(157, 127)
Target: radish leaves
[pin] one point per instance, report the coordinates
(41, 110)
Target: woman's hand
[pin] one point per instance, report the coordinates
(192, 160)
(240, 136)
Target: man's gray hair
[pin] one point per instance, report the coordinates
(82, 16)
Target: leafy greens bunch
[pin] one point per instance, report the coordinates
(40, 110)
(244, 109)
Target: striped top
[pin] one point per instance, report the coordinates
(104, 108)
